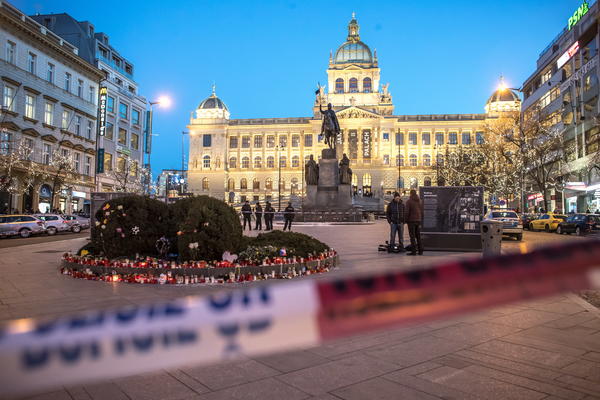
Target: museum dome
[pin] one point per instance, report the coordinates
(353, 50)
(212, 102)
(503, 94)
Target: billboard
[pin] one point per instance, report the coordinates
(452, 209)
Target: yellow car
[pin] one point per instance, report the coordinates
(548, 222)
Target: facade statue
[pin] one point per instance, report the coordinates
(311, 171)
(330, 127)
(345, 171)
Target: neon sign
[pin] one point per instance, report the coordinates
(578, 14)
(567, 55)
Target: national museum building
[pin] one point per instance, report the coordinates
(236, 159)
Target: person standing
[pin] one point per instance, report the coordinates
(258, 213)
(414, 217)
(288, 216)
(247, 214)
(269, 213)
(395, 217)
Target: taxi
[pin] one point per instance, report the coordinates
(547, 222)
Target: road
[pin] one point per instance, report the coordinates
(40, 239)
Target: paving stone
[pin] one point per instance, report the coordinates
(57, 395)
(188, 381)
(224, 375)
(581, 384)
(78, 393)
(584, 369)
(419, 368)
(266, 389)
(154, 386)
(105, 391)
(515, 379)
(474, 333)
(525, 353)
(381, 389)
(292, 361)
(592, 355)
(534, 341)
(429, 387)
(417, 350)
(335, 374)
(562, 307)
(563, 337)
(526, 318)
(573, 320)
(478, 385)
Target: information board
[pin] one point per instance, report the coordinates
(452, 209)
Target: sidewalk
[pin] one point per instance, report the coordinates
(544, 349)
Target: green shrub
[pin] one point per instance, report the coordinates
(128, 225)
(296, 244)
(210, 222)
(258, 253)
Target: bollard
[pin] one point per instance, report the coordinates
(491, 238)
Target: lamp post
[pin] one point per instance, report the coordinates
(164, 102)
(278, 179)
(183, 169)
(399, 163)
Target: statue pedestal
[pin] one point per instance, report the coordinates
(329, 194)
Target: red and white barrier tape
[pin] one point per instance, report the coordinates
(39, 355)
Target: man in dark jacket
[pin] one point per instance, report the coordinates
(269, 213)
(258, 212)
(247, 214)
(395, 217)
(414, 218)
(288, 216)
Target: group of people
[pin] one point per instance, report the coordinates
(410, 213)
(269, 213)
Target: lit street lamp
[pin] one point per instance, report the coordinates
(162, 101)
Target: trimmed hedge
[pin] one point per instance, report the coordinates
(129, 225)
(210, 223)
(296, 244)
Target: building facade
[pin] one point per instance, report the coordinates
(49, 110)
(565, 86)
(239, 159)
(123, 139)
(171, 185)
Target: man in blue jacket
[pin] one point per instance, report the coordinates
(395, 217)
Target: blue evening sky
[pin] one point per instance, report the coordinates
(266, 58)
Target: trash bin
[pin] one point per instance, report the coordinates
(370, 217)
(491, 238)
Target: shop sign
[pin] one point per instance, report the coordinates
(102, 98)
(575, 185)
(535, 196)
(78, 194)
(562, 60)
(45, 191)
(578, 14)
(579, 74)
(124, 150)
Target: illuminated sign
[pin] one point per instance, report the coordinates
(102, 97)
(567, 55)
(578, 14)
(100, 161)
(366, 142)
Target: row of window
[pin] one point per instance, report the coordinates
(69, 121)
(245, 162)
(440, 138)
(69, 84)
(48, 154)
(234, 141)
(123, 110)
(134, 138)
(256, 184)
(367, 86)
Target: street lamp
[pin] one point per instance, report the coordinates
(278, 179)
(399, 163)
(183, 169)
(162, 101)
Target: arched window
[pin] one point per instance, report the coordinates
(257, 162)
(294, 185)
(232, 162)
(206, 162)
(282, 161)
(256, 184)
(295, 162)
(270, 162)
(230, 184)
(339, 85)
(367, 85)
(243, 184)
(366, 181)
(269, 184)
(412, 159)
(414, 183)
(204, 183)
(427, 161)
(245, 162)
(353, 85)
(427, 181)
(354, 180)
(401, 183)
(400, 160)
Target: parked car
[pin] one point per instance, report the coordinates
(527, 218)
(511, 223)
(579, 224)
(77, 223)
(54, 223)
(548, 222)
(22, 225)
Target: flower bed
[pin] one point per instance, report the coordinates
(155, 271)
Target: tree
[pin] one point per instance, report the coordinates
(461, 166)
(63, 172)
(128, 176)
(12, 163)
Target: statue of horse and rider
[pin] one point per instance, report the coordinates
(330, 128)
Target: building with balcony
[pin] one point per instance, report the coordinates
(124, 134)
(242, 159)
(564, 88)
(47, 118)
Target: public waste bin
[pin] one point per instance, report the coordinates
(370, 217)
(491, 238)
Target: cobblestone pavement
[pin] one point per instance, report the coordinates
(543, 349)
